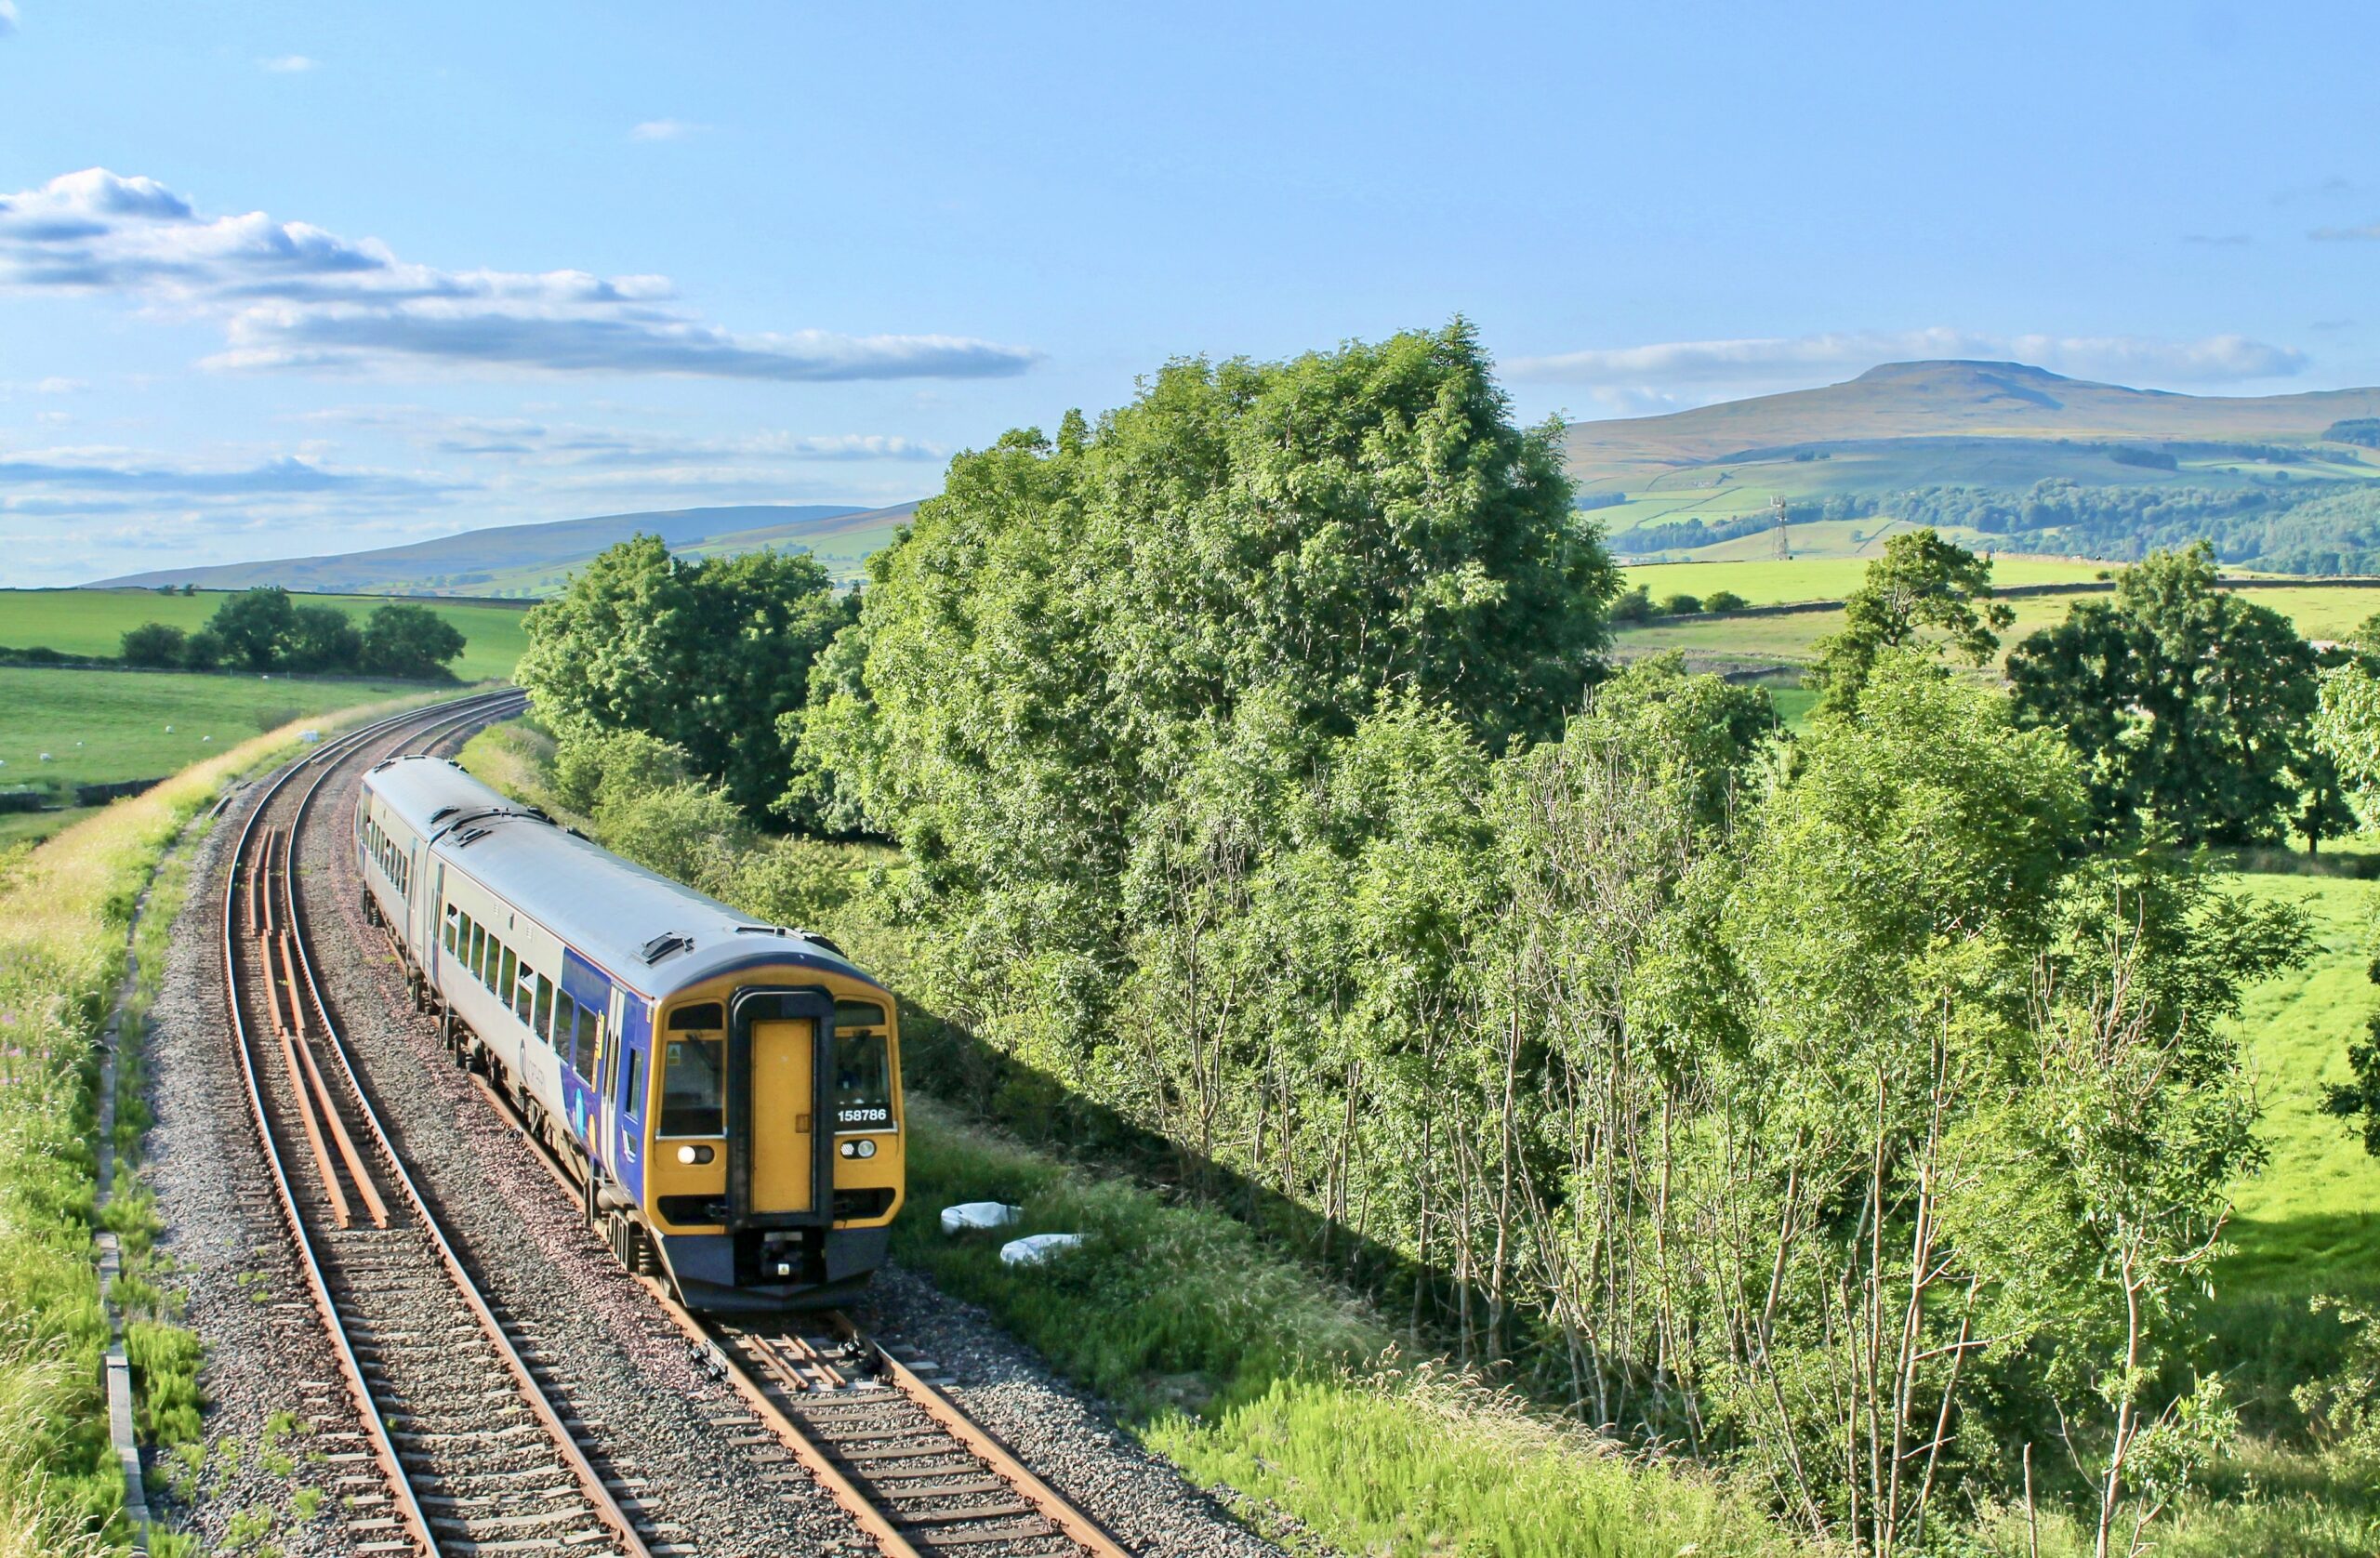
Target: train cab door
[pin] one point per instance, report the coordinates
(778, 1141)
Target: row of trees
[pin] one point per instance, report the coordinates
(1841, 1108)
(264, 629)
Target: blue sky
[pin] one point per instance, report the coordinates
(351, 275)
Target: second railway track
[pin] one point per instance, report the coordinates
(469, 1447)
(468, 1442)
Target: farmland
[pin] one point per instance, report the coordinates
(2319, 611)
(92, 622)
(103, 726)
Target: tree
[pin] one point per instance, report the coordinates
(201, 651)
(1724, 600)
(706, 656)
(1681, 605)
(413, 641)
(1239, 568)
(253, 625)
(154, 643)
(2186, 703)
(1923, 590)
(321, 639)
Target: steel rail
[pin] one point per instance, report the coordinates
(581, 1469)
(873, 1519)
(410, 1515)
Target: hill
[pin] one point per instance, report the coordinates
(534, 559)
(2018, 457)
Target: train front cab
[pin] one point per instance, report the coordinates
(775, 1160)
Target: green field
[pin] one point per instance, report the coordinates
(93, 621)
(2310, 1223)
(2319, 611)
(1764, 581)
(103, 726)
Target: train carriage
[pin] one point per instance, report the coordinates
(728, 1092)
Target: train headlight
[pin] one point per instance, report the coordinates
(861, 1148)
(694, 1155)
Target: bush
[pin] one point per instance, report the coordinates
(1724, 600)
(410, 641)
(1634, 605)
(155, 643)
(1680, 605)
(202, 651)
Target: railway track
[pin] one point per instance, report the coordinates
(465, 1447)
(914, 1472)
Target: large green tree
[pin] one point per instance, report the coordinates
(2188, 703)
(1248, 553)
(1924, 592)
(252, 625)
(705, 654)
(321, 639)
(410, 641)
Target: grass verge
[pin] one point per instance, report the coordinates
(65, 909)
(1258, 1380)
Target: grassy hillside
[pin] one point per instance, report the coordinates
(1968, 447)
(99, 727)
(2310, 1223)
(93, 622)
(1943, 400)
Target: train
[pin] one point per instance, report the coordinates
(727, 1093)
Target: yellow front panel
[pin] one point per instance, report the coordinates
(781, 1122)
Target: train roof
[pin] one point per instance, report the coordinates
(648, 932)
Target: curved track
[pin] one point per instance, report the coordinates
(467, 1450)
(471, 1452)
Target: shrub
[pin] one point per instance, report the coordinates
(155, 643)
(1680, 605)
(202, 651)
(1634, 605)
(1724, 600)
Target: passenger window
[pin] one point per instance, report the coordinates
(544, 1022)
(691, 1093)
(630, 1103)
(589, 1036)
(564, 1008)
(479, 946)
(448, 940)
(508, 975)
(524, 994)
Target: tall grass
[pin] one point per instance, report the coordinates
(64, 907)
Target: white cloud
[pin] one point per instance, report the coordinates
(292, 295)
(287, 64)
(2368, 233)
(1669, 370)
(7, 17)
(665, 129)
(522, 439)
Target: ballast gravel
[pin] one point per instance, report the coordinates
(654, 1418)
(1070, 1440)
(269, 1375)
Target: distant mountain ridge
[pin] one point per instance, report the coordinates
(537, 558)
(1951, 398)
(2002, 455)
